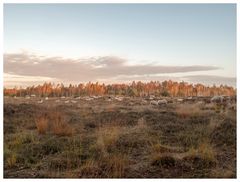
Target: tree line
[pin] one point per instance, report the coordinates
(135, 89)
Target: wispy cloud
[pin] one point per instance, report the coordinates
(211, 79)
(11, 80)
(82, 70)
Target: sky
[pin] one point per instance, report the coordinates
(115, 43)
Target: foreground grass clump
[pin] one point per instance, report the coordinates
(107, 137)
(108, 166)
(42, 125)
(53, 122)
(203, 155)
(10, 158)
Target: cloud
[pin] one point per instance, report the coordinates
(11, 80)
(82, 70)
(211, 79)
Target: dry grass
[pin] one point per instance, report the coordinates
(110, 166)
(107, 136)
(89, 168)
(141, 124)
(205, 149)
(117, 165)
(140, 143)
(159, 148)
(42, 125)
(55, 123)
(61, 128)
(204, 154)
(11, 160)
(188, 110)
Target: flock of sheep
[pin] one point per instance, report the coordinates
(145, 101)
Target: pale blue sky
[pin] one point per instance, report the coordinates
(163, 34)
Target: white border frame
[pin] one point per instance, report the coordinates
(119, 1)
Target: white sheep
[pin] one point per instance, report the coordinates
(40, 101)
(217, 99)
(162, 102)
(153, 102)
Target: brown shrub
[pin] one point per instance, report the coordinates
(53, 122)
(59, 126)
(42, 125)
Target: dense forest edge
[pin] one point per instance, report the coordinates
(134, 89)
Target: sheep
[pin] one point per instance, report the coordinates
(153, 102)
(88, 98)
(189, 98)
(119, 98)
(162, 102)
(40, 101)
(144, 102)
(180, 100)
(67, 101)
(46, 98)
(217, 99)
(73, 101)
(151, 97)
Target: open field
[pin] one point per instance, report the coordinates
(109, 137)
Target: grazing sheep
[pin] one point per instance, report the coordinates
(119, 98)
(217, 99)
(40, 101)
(67, 101)
(189, 98)
(151, 97)
(180, 100)
(144, 102)
(46, 98)
(63, 97)
(162, 102)
(88, 98)
(153, 102)
(73, 101)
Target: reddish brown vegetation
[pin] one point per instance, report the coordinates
(53, 122)
(166, 88)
